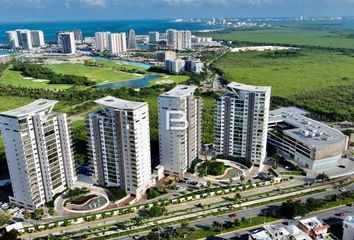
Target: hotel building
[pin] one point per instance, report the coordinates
(38, 147)
(241, 123)
(180, 142)
(119, 145)
(305, 141)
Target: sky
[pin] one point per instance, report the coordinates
(73, 10)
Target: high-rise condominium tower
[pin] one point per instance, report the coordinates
(37, 38)
(119, 145)
(180, 40)
(117, 43)
(13, 39)
(241, 123)
(68, 42)
(101, 39)
(132, 40)
(26, 39)
(171, 35)
(39, 152)
(154, 37)
(78, 35)
(180, 141)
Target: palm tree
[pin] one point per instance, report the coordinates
(237, 197)
(242, 178)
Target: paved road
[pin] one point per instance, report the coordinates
(260, 210)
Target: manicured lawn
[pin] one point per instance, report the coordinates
(113, 64)
(311, 70)
(298, 36)
(17, 79)
(99, 75)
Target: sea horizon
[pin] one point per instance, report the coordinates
(88, 28)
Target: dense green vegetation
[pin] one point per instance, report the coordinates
(318, 80)
(293, 208)
(40, 72)
(117, 193)
(4, 217)
(155, 192)
(290, 36)
(76, 192)
(155, 211)
(211, 168)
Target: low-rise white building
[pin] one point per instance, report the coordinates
(270, 232)
(305, 141)
(175, 66)
(314, 227)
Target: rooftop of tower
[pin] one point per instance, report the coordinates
(244, 87)
(30, 109)
(113, 102)
(180, 91)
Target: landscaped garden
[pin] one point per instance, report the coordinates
(218, 170)
(83, 200)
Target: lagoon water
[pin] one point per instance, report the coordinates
(4, 52)
(135, 83)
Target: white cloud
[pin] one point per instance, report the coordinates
(95, 3)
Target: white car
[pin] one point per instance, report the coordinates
(296, 217)
(342, 190)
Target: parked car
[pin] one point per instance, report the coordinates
(296, 217)
(138, 236)
(232, 215)
(342, 189)
(350, 204)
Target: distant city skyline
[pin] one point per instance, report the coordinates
(81, 10)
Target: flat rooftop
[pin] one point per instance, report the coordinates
(30, 109)
(297, 234)
(306, 130)
(250, 88)
(113, 102)
(268, 231)
(260, 235)
(311, 223)
(180, 91)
